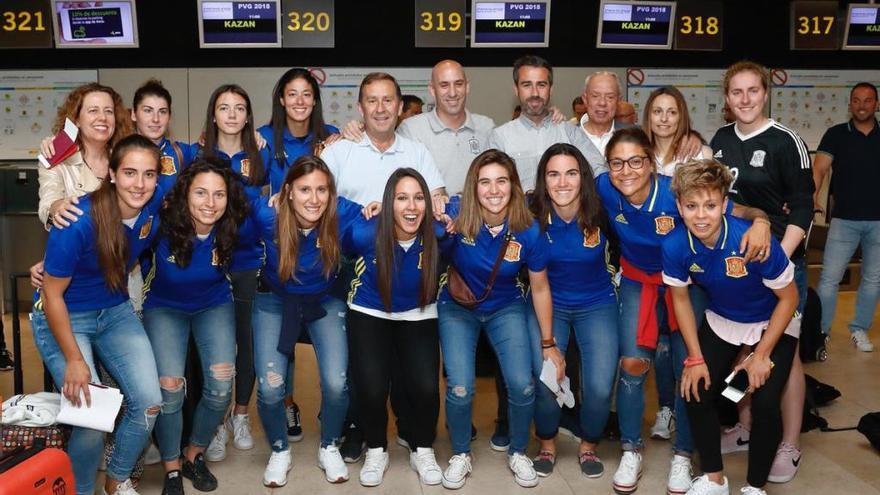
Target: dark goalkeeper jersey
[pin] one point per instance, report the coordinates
(771, 168)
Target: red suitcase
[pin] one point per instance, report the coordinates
(37, 471)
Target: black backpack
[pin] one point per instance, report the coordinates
(812, 339)
(869, 426)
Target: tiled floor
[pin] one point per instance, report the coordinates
(840, 463)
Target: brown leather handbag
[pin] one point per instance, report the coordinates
(458, 288)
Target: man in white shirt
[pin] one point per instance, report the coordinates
(527, 137)
(452, 134)
(362, 168)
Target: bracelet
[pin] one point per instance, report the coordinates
(548, 346)
(694, 361)
(761, 220)
(551, 341)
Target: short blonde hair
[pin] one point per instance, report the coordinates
(701, 175)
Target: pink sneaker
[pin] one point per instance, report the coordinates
(786, 463)
(734, 439)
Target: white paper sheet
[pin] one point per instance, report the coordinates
(106, 402)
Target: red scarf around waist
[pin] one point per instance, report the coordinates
(647, 330)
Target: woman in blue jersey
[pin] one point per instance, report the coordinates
(393, 315)
(188, 292)
(567, 207)
(297, 124)
(706, 253)
(494, 229)
(229, 135)
(84, 314)
(151, 114)
(641, 209)
(302, 258)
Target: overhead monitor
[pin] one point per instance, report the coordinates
(95, 24)
(239, 24)
(510, 24)
(635, 24)
(862, 27)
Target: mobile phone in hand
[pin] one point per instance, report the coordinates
(737, 385)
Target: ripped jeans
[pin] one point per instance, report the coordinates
(116, 337)
(213, 330)
(508, 335)
(331, 349)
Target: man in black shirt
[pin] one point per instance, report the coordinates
(853, 148)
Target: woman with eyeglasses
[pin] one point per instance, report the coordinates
(642, 211)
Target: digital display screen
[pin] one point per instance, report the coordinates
(95, 24)
(239, 24)
(862, 27)
(635, 24)
(510, 24)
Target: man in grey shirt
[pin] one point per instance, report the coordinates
(527, 137)
(452, 134)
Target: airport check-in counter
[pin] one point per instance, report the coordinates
(22, 237)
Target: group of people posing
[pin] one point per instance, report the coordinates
(390, 246)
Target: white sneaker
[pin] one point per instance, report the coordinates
(735, 439)
(626, 478)
(861, 341)
(702, 486)
(277, 468)
(152, 455)
(457, 472)
(664, 424)
(124, 488)
(241, 432)
(523, 470)
(750, 490)
(217, 448)
(375, 465)
(330, 460)
(424, 463)
(679, 481)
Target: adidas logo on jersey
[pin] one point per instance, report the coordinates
(695, 268)
(621, 219)
(719, 154)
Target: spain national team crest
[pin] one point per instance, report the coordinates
(245, 167)
(513, 251)
(145, 228)
(215, 257)
(735, 267)
(168, 167)
(664, 224)
(591, 240)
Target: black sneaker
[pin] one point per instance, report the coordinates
(6, 362)
(473, 432)
(198, 473)
(173, 484)
(294, 425)
(353, 447)
(500, 440)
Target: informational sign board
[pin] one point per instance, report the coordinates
(862, 27)
(29, 102)
(440, 23)
(339, 89)
(510, 24)
(95, 24)
(309, 24)
(239, 24)
(699, 25)
(641, 24)
(814, 25)
(25, 24)
(701, 89)
(811, 101)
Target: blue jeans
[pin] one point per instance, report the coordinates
(116, 337)
(508, 335)
(595, 330)
(214, 332)
(663, 374)
(331, 349)
(844, 236)
(684, 442)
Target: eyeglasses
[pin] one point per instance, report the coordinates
(634, 162)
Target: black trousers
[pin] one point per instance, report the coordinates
(766, 416)
(373, 346)
(244, 287)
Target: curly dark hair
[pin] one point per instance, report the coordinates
(177, 224)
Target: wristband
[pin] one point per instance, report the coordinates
(551, 342)
(694, 361)
(761, 220)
